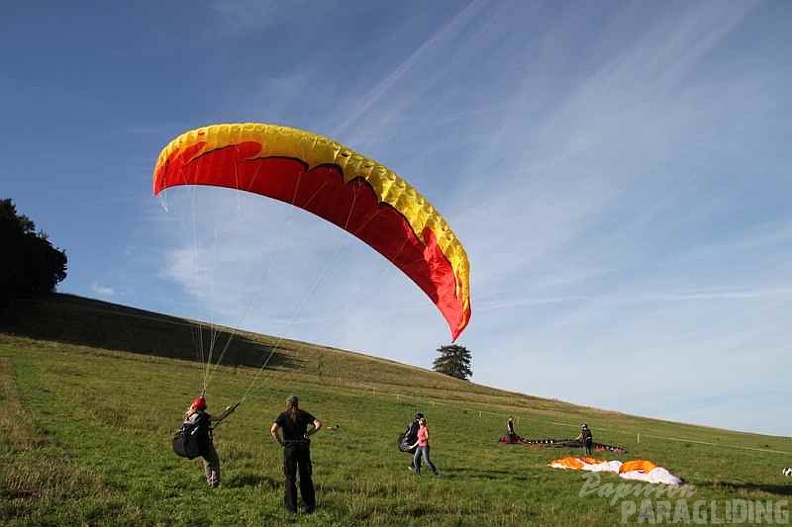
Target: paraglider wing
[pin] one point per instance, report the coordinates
(333, 182)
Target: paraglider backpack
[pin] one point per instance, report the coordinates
(192, 439)
(408, 437)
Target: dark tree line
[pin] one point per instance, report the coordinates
(29, 263)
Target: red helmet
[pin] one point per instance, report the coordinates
(199, 403)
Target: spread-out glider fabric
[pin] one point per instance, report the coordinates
(639, 469)
(637, 465)
(656, 475)
(560, 443)
(337, 184)
(606, 466)
(578, 463)
(568, 463)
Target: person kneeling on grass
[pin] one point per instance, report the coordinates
(421, 447)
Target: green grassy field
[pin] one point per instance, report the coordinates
(90, 395)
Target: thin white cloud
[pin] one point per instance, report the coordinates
(473, 13)
(102, 290)
(242, 16)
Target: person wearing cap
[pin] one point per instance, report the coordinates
(586, 438)
(197, 414)
(416, 425)
(412, 432)
(292, 430)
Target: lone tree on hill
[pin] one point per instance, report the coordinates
(30, 264)
(454, 361)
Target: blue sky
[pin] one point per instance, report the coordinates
(619, 172)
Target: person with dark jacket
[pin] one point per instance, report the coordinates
(511, 435)
(196, 416)
(586, 438)
(291, 431)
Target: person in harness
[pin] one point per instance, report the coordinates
(290, 430)
(586, 438)
(194, 439)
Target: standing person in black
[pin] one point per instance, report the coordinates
(511, 435)
(586, 438)
(294, 438)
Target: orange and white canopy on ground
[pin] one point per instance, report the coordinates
(638, 469)
(338, 184)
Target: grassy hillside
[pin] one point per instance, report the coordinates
(91, 392)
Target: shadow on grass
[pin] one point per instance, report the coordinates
(779, 490)
(251, 480)
(462, 473)
(86, 322)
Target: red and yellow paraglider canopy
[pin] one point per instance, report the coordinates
(326, 178)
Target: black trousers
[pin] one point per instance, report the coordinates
(297, 457)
